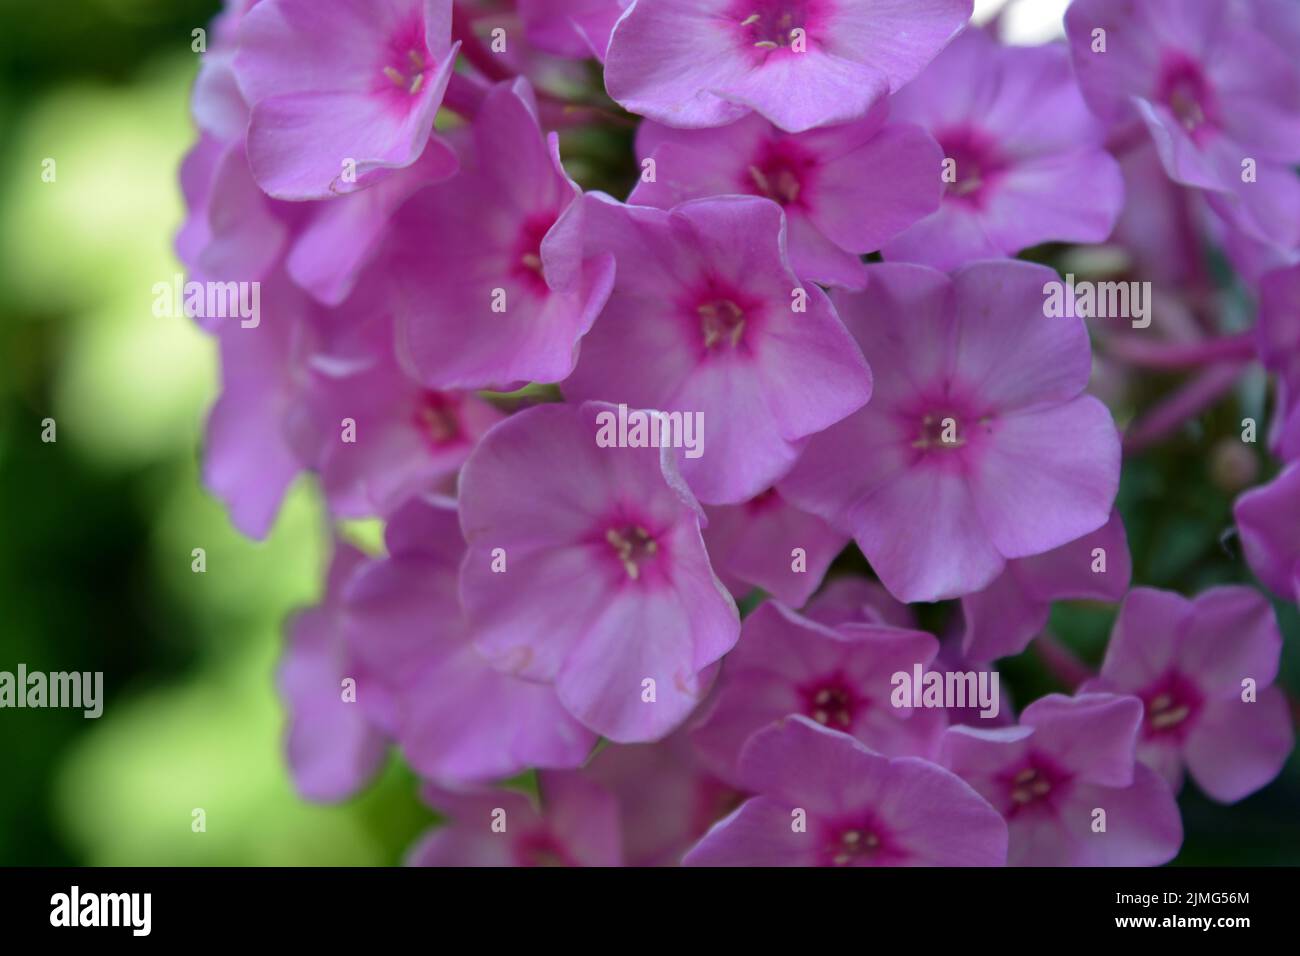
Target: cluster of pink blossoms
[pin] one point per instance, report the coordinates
(816, 264)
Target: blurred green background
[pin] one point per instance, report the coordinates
(97, 529)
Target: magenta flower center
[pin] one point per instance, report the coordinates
(435, 416)
(767, 25)
(832, 703)
(722, 323)
(763, 501)
(781, 172)
(407, 59)
(1184, 89)
(1171, 707)
(972, 164)
(1035, 785)
(633, 545)
(541, 849)
(527, 260)
(852, 844)
(1029, 785)
(940, 431)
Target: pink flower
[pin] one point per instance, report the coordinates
(375, 436)
(454, 716)
(834, 213)
(826, 800)
(1028, 162)
(586, 569)
(858, 601)
(1211, 90)
(839, 677)
(978, 446)
(574, 822)
(800, 63)
(492, 285)
(576, 29)
(766, 543)
(666, 799)
(1278, 332)
(1203, 670)
(707, 317)
(233, 231)
(1268, 520)
(341, 92)
(333, 747)
(1003, 618)
(1069, 785)
(248, 459)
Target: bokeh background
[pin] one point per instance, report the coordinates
(97, 528)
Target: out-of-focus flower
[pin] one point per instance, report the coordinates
(1278, 334)
(800, 63)
(1220, 100)
(768, 543)
(455, 717)
(573, 823)
(1268, 519)
(577, 29)
(342, 93)
(1004, 617)
(666, 799)
(835, 212)
(1024, 162)
(333, 748)
(840, 677)
(1068, 782)
(1203, 670)
(826, 800)
(491, 282)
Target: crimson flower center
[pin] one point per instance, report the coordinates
(831, 702)
(972, 163)
(722, 323)
(773, 24)
(541, 849)
(1030, 785)
(437, 419)
(780, 184)
(832, 707)
(940, 431)
(1171, 706)
(407, 73)
(1183, 88)
(528, 264)
(853, 844)
(1165, 711)
(633, 546)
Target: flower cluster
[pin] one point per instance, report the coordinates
(627, 316)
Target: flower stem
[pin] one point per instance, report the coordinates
(1186, 402)
(1061, 662)
(472, 48)
(464, 95)
(1181, 355)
